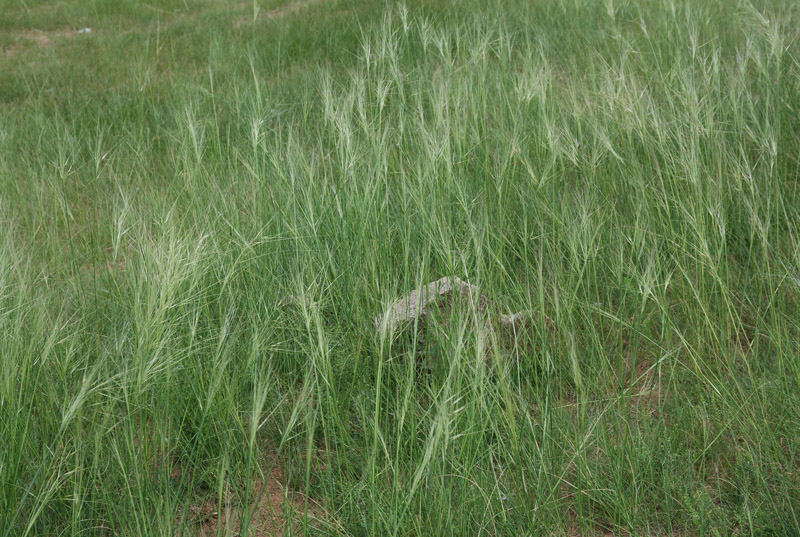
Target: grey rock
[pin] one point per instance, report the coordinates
(438, 296)
(420, 302)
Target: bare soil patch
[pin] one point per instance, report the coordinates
(276, 13)
(22, 38)
(274, 509)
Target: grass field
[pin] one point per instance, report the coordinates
(205, 203)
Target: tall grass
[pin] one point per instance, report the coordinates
(189, 270)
